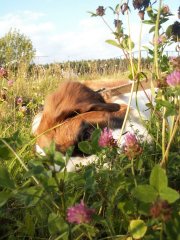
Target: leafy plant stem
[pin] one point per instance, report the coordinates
(130, 48)
(164, 162)
(156, 41)
(132, 87)
(127, 111)
(161, 232)
(163, 132)
(139, 46)
(133, 172)
(107, 24)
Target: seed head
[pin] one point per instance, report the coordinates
(141, 4)
(165, 9)
(141, 14)
(100, 11)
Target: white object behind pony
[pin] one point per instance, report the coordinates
(134, 123)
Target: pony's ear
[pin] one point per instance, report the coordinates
(107, 107)
(82, 108)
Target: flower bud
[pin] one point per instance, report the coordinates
(141, 14)
(100, 11)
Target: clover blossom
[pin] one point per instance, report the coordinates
(106, 139)
(19, 100)
(10, 83)
(131, 147)
(161, 209)
(3, 72)
(173, 79)
(79, 213)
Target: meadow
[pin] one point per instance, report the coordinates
(130, 192)
(34, 199)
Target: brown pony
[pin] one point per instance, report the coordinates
(72, 112)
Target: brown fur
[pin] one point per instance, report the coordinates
(77, 109)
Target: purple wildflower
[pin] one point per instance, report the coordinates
(106, 139)
(131, 146)
(161, 39)
(3, 72)
(10, 83)
(19, 100)
(79, 213)
(23, 109)
(173, 79)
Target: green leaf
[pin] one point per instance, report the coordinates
(148, 22)
(85, 147)
(93, 14)
(30, 196)
(90, 181)
(158, 178)
(5, 152)
(138, 228)
(170, 108)
(152, 29)
(145, 193)
(95, 138)
(59, 159)
(56, 224)
(5, 179)
(169, 194)
(114, 43)
(127, 43)
(4, 197)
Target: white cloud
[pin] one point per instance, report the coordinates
(85, 41)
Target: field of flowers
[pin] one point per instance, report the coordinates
(130, 192)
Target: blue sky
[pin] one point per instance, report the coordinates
(63, 30)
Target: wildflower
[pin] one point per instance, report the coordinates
(100, 11)
(165, 9)
(131, 146)
(23, 109)
(19, 100)
(124, 8)
(140, 4)
(3, 72)
(175, 62)
(10, 83)
(161, 209)
(173, 79)
(141, 14)
(3, 94)
(79, 213)
(106, 139)
(161, 39)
